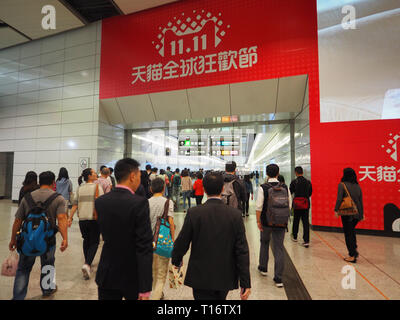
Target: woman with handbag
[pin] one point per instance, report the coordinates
(349, 205)
(160, 208)
(86, 194)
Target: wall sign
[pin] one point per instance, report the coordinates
(202, 43)
(192, 43)
(83, 164)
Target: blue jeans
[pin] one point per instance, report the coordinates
(186, 195)
(24, 269)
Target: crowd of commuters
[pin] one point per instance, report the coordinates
(124, 209)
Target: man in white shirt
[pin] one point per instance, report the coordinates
(277, 231)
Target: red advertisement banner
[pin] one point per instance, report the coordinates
(371, 149)
(193, 43)
(203, 43)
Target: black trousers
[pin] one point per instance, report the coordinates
(201, 294)
(107, 294)
(302, 215)
(199, 199)
(246, 203)
(91, 238)
(349, 229)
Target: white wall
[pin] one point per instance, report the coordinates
(49, 103)
(3, 166)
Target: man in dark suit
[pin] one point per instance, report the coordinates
(125, 268)
(219, 256)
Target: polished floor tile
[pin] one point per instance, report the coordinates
(320, 266)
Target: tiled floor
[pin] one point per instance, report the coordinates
(320, 266)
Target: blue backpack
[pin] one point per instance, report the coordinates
(36, 236)
(162, 239)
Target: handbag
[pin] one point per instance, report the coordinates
(162, 239)
(347, 207)
(175, 276)
(300, 203)
(10, 265)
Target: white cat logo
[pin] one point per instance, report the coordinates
(195, 29)
(392, 149)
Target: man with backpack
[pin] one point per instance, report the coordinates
(302, 190)
(234, 193)
(273, 211)
(176, 188)
(38, 215)
(169, 186)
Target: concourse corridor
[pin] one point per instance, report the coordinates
(319, 266)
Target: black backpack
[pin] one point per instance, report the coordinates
(276, 209)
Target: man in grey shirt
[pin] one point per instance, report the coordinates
(57, 211)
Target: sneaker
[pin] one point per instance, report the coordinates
(86, 271)
(305, 244)
(48, 293)
(262, 272)
(293, 238)
(278, 283)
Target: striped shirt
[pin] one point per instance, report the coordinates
(85, 197)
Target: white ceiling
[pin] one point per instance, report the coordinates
(130, 6)
(26, 16)
(277, 96)
(10, 37)
(330, 11)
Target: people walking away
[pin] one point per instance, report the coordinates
(86, 194)
(249, 191)
(169, 185)
(257, 178)
(33, 240)
(234, 193)
(157, 204)
(111, 177)
(153, 174)
(165, 178)
(64, 185)
(273, 211)
(349, 187)
(219, 257)
(198, 188)
(125, 267)
(103, 181)
(187, 188)
(176, 188)
(30, 184)
(145, 181)
(301, 189)
(140, 191)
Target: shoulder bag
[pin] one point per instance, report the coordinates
(347, 207)
(162, 239)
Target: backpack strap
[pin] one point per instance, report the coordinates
(346, 190)
(29, 200)
(166, 208)
(49, 200)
